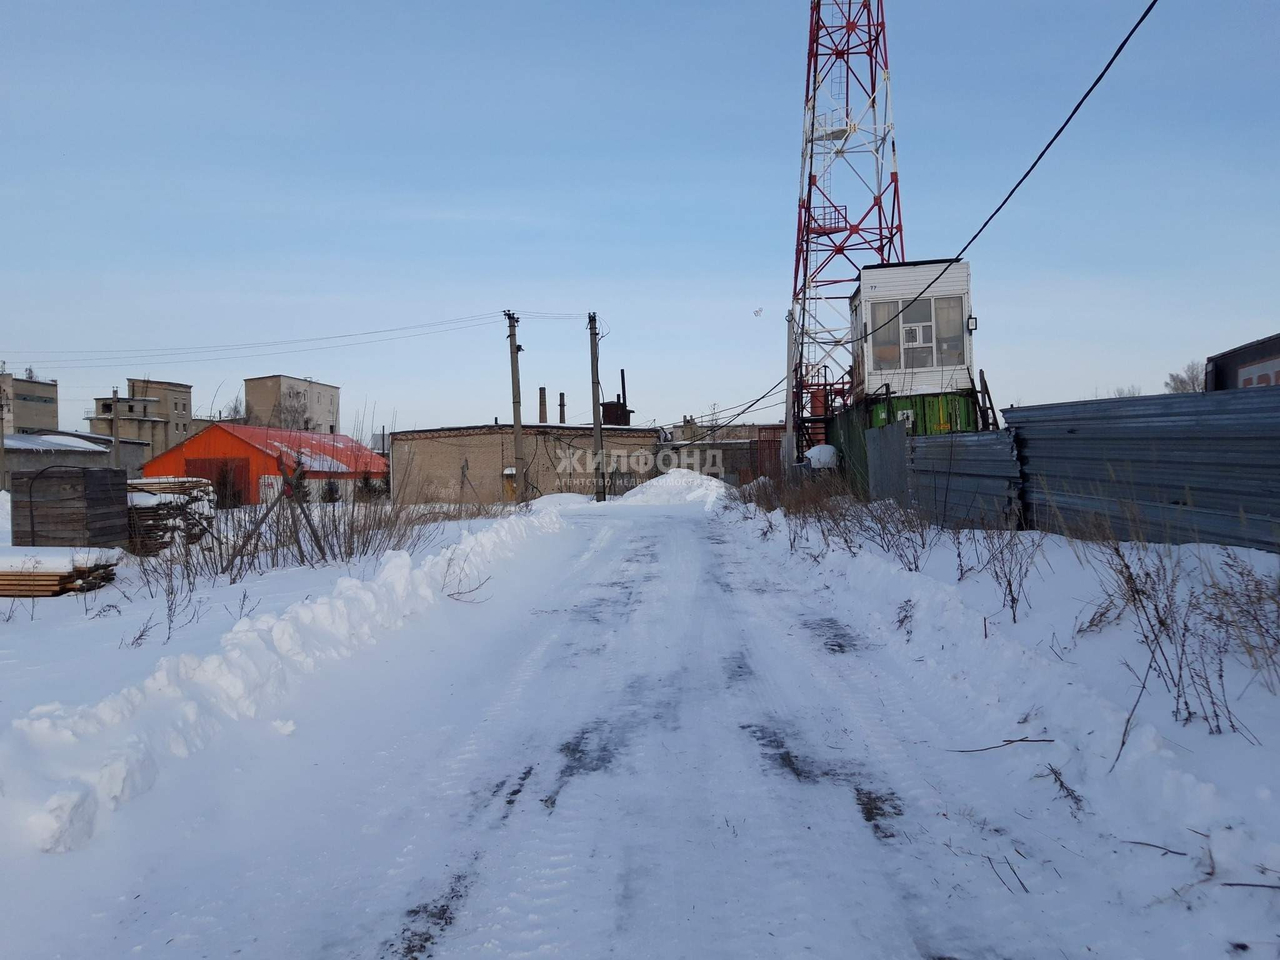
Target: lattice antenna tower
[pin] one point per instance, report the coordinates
(849, 209)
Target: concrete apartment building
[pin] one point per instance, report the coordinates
(157, 412)
(27, 405)
(292, 403)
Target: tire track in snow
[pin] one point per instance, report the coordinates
(973, 914)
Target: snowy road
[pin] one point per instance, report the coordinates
(639, 742)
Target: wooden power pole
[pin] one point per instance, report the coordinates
(3, 405)
(115, 427)
(521, 469)
(598, 436)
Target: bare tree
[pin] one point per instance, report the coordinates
(292, 411)
(1130, 391)
(234, 409)
(1190, 379)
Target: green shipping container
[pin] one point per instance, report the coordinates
(935, 413)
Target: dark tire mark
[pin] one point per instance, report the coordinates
(428, 921)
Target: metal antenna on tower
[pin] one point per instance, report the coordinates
(849, 210)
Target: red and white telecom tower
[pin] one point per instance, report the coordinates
(849, 209)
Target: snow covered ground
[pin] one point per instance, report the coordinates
(653, 731)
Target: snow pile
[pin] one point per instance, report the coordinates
(62, 766)
(823, 457)
(675, 487)
(6, 523)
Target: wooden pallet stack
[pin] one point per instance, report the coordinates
(69, 507)
(163, 509)
(35, 576)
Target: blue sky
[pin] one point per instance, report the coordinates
(188, 174)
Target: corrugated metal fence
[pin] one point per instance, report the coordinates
(965, 479)
(1173, 468)
(1177, 468)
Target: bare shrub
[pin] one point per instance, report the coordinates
(966, 562)
(1008, 556)
(246, 608)
(906, 616)
(820, 506)
(1243, 606)
(1065, 791)
(903, 534)
(139, 638)
(1186, 649)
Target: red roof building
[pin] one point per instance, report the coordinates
(237, 459)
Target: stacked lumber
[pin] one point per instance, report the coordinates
(49, 572)
(69, 507)
(164, 509)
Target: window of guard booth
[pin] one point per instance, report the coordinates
(948, 315)
(886, 340)
(917, 334)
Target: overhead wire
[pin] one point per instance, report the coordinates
(180, 350)
(1022, 179)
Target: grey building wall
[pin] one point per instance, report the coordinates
(27, 405)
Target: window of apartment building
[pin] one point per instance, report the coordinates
(131, 408)
(106, 408)
(184, 406)
(175, 406)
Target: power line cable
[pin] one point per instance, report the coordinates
(117, 362)
(175, 351)
(1022, 179)
(712, 432)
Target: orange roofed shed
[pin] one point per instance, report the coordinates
(236, 458)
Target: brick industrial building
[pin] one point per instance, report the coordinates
(477, 464)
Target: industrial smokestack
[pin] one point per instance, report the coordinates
(624, 387)
(542, 404)
(562, 406)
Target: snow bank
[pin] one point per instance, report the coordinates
(675, 487)
(6, 524)
(956, 671)
(62, 767)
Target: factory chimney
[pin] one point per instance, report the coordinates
(542, 404)
(562, 406)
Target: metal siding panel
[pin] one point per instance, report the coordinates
(1176, 467)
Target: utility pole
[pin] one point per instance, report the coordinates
(115, 427)
(521, 469)
(598, 435)
(3, 405)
